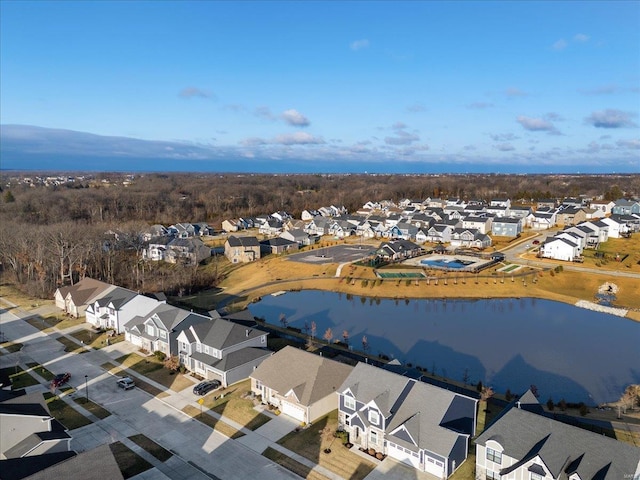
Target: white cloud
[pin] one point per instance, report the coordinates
(298, 138)
(479, 105)
(295, 118)
(359, 44)
(610, 118)
(402, 138)
(191, 92)
(417, 108)
(265, 112)
(504, 147)
(633, 143)
(560, 44)
(503, 137)
(536, 124)
(252, 142)
(515, 92)
(581, 37)
(399, 126)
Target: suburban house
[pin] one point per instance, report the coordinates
(155, 231)
(242, 249)
(27, 428)
(467, 237)
(222, 350)
(439, 233)
(524, 445)
(571, 215)
(560, 249)
(413, 422)
(74, 299)
(157, 248)
(618, 228)
(398, 250)
(189, 251)
(278, 246)
(299, 236)
(182, 230)
(231, 225)
(158, 330)
(541, 220)
(603, 206)
(482, 224)
(116, 307)
(302, 385)
(626, 207)
(506, 226)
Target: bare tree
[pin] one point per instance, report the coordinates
(345, 336)
(365, 343)
(328, 335)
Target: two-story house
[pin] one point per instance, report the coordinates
(116, 307)
(158, 330)
(523, 445)
(507, 226)
(74, 299)
(419, 424)
(242, 249)
(222, 350)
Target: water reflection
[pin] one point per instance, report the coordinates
(565, 351)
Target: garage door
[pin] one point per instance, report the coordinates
(433, 466)
(293, 411)
(403, 454)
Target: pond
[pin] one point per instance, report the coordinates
(566, 351)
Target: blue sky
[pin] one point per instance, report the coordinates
(505, 85)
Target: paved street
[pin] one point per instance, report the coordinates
(200, 453)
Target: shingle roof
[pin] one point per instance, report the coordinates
(312, 377)
(221, 334)
(563, 448)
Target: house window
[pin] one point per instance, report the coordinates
(373, 436)
(163, 334)
(263, 339)
(374, 418)
(349, 402)
(150, 330)
(494, 456)
(489, 475)
(536, 476)
(206, 349)
(198, 347)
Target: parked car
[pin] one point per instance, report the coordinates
(126, 383)
(60, 379)
(205, 387)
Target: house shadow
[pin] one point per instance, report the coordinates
(517, 375)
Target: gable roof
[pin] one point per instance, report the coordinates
(242, 241)
(220, 333)
(86, 290)
(311, 377)
(563, 448)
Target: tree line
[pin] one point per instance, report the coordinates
(55, 235)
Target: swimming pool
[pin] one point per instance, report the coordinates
(446, 263)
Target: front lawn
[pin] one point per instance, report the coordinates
(93, 407)
(152, 447)
(311, 444)
(65, 413)
(70, 345)
(40, 370)
(96, 339)
(154, 369)
(292, 465)
(129, 462)
(218, 425)
(236, 405)
(19, 378)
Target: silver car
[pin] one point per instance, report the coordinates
(126, 383)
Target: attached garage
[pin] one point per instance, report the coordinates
(293, 411)
(403, 455)
(431, 465)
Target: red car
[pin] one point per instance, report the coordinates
(60, 379)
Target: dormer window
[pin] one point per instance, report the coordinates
(349, 402)
(374, 417)
(494, 456)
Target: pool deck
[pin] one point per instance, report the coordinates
(474, 265)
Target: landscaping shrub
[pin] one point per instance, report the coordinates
(365, 282)
(160, 355)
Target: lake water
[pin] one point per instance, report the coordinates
(566, 351)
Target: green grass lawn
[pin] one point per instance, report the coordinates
(92, 407)
(129, 462)
(65, 413)
(42, 371)
(152, 447)
(19, 378)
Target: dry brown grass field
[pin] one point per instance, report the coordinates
(271, 274)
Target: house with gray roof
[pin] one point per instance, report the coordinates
(302, 385)
(521, 444)
(117, 306)
(507, 226)
(242, 249)
(413, 422)
(625, 206)
(74, 299)
(158, 330)
(222, 350)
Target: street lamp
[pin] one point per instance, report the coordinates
(86, 387)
